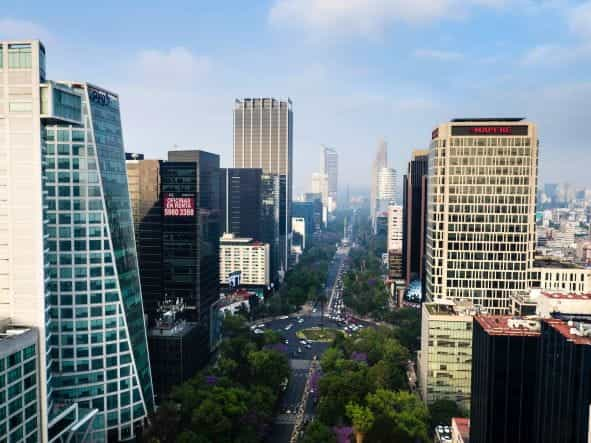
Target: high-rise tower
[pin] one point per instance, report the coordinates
(69, 264)
(481, 210)
(330, 168)
(263, 138)
(380, 161)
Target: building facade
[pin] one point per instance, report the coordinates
(70, 267)
(386, 189)
(445, 358)
(263, 138)
(247, 256)
(380, 161)
(330, 168)
(481, 210)
(20, 419)
(557, 275)
(415, 214)
(242, 197)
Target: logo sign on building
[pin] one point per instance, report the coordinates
(519, 130)
(99, 97)
(178, 206)
(234, 279)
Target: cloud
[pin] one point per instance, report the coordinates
(552, 54)
(13, 29)
(367, 17)
(579, 19)
(438, 55)
(174, 65)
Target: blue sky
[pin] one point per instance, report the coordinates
(356, 70)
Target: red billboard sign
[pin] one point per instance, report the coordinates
(178, 206)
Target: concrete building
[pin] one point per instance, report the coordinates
(20, 419)
(380, 161)
(320, 186)
(242, 196)
(481, 210)
(460, 430)
(330, 168)
(263, 138)
(552, 274)
(69, 264)
(386, 188)
(394, 228)
(445, 358)
(298, 232)
(247, 256)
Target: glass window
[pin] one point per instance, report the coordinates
(20, 106)
(19, 56)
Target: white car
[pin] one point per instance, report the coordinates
(261, 326)
(314, 310)
(288, 327)
(301, 320)
(259, 331)
(284, 317)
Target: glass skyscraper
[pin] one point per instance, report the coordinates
(71, 268)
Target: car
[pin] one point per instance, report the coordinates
(286, 342)
(288, 327)
(261, 326)
(253, 327)
(308, 346)
(314, 310)
(284, 317)
(304, 342)
(299, 350)
(259, 331)
(301, 320)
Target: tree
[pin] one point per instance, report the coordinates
(329, 359)
(164, 424)
(442, 411)
(399, 416)
(267, 367)
(318, 432)
(362, 419)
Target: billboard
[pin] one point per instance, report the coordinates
(178, 205)
(489, 130)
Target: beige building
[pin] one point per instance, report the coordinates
(445, 358)
(394, 228)
(143, 178)
(552, 274)
(480, 236)
(249, 257)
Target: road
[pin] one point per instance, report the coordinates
(300, 358)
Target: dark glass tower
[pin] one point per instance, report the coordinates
(241, 200)
(414, 214)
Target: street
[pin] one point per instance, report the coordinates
(300, 357)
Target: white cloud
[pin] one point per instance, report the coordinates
(13, 29)
(368, 17)
(552, 54)
(175, 65)
(435, 54)
(579, 19)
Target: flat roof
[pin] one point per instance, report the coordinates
(563, 328)
(488, 119)
(566, 296)
(551, 262)
(499, 325)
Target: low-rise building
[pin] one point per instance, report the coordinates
(19, 384)
(247, 256)
(445, 358)
(549, 273)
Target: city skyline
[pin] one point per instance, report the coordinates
(349, 68)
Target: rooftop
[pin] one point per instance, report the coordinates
(509, 325)
(552, 262)
(579, 333)
(566, 296)
(491, 119)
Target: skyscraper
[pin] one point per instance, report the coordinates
(241, 193)
(481, 210)
(70, 266)
(414, 197)
(263, 138)
(380, 161)
(386, 189)
(394, 245)
(330, 168)
(320, 186)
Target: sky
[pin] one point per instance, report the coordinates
(356, 71)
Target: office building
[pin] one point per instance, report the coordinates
(241, 194)
(143, 177)
(481, 210)
(414, 197)
(320, 186)
(380, 161)
(305, 210)
(445, 358)
(69, 249)
(386, 189)
(20, 418)
(298, 235)
(273, 187)
(530, 379)
(249, 257)
(552, 274)
(263, 138)
(563, 395)
(190, 199)
(173, 342)
(503, 379)
(394, 228)
(330, 168)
